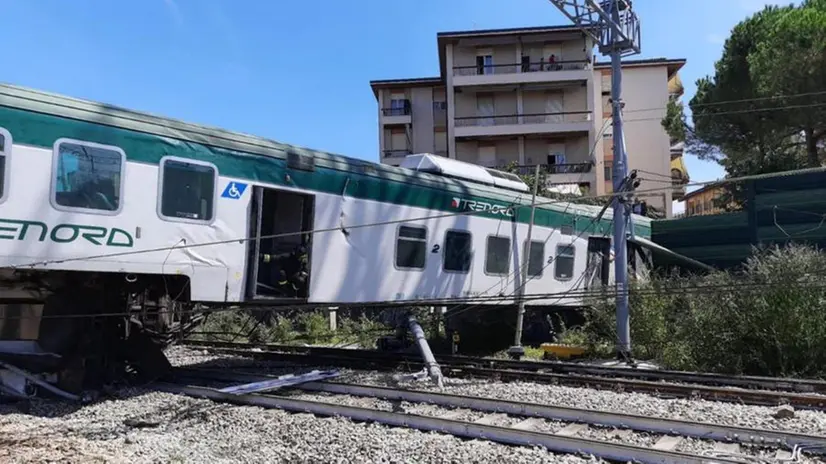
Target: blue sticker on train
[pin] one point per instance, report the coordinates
(234, 190)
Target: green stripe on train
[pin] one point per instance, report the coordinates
(330, 175)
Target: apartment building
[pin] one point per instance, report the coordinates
(530, 96)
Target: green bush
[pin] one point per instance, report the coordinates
(769, 319)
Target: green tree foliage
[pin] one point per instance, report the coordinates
(791, 60)
(741, 115)
(674, 122)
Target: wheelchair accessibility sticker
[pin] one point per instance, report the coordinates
(234, 190)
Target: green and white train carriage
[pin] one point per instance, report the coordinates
(180, 213)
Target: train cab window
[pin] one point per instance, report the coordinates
(498, 256)
(87, 176)
(564, 262)
(536, 259)
(458, 251)
(187, 190)
(411, 247)
(5, 148)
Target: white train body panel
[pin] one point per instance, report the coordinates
(348, 264)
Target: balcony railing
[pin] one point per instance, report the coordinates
(397, 153)
(568, 168)
(532, 118)
(396, 111)
(513, 68)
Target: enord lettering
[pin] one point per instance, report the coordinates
(482, 206)
(22, 230)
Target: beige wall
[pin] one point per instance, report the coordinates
(504, 103)
(422, 116)
(507, 151)
(645, 93)
(576, 149)
(573, 99)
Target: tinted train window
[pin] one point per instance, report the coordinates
(536, 259)
(564, 262)
(188, 191)
(497, 259)
(411, 247)
(458, 251)
(88, 176)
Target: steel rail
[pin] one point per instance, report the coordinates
(506, 435)
(701, 430)
(661, 389)
(765, 383)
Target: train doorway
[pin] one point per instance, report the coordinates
(279, 253)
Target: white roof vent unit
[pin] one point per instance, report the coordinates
(456, 169)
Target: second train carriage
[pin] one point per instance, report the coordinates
(157, 215)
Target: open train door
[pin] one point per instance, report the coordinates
(279, 246)
(598, 270)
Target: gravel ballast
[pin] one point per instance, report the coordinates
(144, 426)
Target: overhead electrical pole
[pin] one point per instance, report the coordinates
(616, 29)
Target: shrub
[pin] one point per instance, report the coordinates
(768, 319)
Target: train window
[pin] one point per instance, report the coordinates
(87, 176)
(564, 262)
(411, 247)
(536, 259)
(187, 190)
(458, 251)
(498, 257)
(5, 148)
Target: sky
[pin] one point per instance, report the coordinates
(298, 72)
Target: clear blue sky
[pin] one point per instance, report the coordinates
(296, 71)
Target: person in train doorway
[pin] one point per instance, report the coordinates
(292, 271)
(299, 273)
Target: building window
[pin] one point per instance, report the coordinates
(564, 262)
(609, 170)
(411, 247)
(536, 259)
(458, 251)
(88, 176)
(484, 64)
(5, 149)
(187, 190)
(498, 257)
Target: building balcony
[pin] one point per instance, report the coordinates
(522, 124)
(395, 116)
(399, 153)
(559, 174)
(522, 73)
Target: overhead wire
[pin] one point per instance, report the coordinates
(737, 284)
(573, 201)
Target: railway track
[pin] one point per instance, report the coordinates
(765, 391)
(564, 430)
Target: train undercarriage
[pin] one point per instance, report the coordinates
(80, 331)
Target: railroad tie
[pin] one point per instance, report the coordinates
(489, 419)
(529, 424)
(571, 429)
(668, 443)
(729, 448)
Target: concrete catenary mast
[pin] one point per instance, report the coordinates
(614, 26)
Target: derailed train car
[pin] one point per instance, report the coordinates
(119, 229)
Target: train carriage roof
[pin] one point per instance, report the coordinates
(240, 146)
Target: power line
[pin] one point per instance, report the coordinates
(601, 292)
(572, 201)
(727, 102)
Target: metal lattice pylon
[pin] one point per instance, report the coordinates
(613, 25)
(612, 30)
